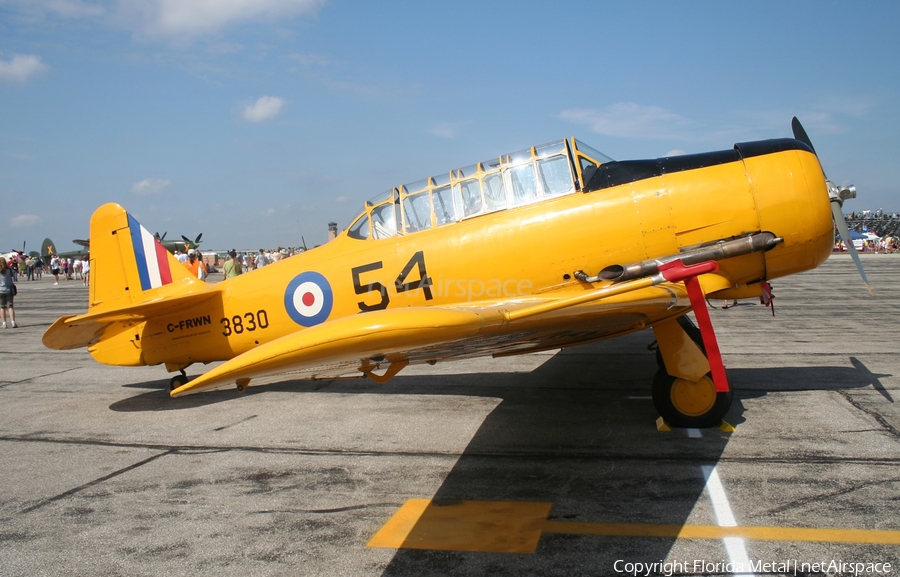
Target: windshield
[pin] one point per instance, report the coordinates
(591, 152)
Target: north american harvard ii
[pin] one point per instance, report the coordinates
(553, 246)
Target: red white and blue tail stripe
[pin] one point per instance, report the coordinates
(152, 259)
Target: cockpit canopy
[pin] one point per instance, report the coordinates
(508, 181)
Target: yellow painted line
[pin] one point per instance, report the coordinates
(716, 532)
(516, 527)
(480, 526)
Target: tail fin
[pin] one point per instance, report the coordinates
(47, 249)
(128, 265)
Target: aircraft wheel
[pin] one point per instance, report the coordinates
(684, 403)
(177, 381)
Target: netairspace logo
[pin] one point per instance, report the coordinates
(789, 567)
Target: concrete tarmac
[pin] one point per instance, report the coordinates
(545, 464)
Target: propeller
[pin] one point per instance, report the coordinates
(837, 196)
(192, 243)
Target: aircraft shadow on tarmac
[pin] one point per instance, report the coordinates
(746, 382)
(578, 434)
(595, 456)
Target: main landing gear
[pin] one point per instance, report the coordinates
(178, 380)
(687, 398)
(690, 389)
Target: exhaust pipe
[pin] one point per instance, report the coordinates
(720, 250)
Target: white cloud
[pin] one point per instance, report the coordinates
(267, 212)
(62, 8)
(675, 152)
(629, 120)
(150, 186)
(192, 18)
(444, 130)
(21, 68)
(266, 108)
(18, 155)
(341, 198)
(24, 220)
(176, 20)
(309, 59)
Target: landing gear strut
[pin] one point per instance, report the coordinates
(691, 388)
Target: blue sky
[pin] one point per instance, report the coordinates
(253, 120)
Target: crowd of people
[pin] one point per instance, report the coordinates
(33, 267)
(235, 263)
(18, 267)
(883, 230)
(878, 222)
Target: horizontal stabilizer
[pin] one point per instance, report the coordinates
(75, 331)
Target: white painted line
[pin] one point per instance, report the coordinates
(694, 433)
(737, 552)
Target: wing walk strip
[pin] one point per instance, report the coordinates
(516, 527)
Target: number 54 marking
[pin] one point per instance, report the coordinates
(400, 284)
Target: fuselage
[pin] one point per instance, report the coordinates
(617, 213)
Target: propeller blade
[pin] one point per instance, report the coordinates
(163, 237)
(186, 239)
(837, 201)
(801, 135)
(197, 241)
(845, 236)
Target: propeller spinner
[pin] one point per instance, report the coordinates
(837, 195)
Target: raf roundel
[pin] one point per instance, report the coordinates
(308, 299)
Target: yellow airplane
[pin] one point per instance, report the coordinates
(553, 246)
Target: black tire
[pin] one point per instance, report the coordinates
(686, 404)
(177, 381)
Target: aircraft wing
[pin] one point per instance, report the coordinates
(344, 345)
(392, 338)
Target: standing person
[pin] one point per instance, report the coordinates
(193, 263)
(232, 266)
(260, 260)
(54, 269)
(6, 295)
(86, 271)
